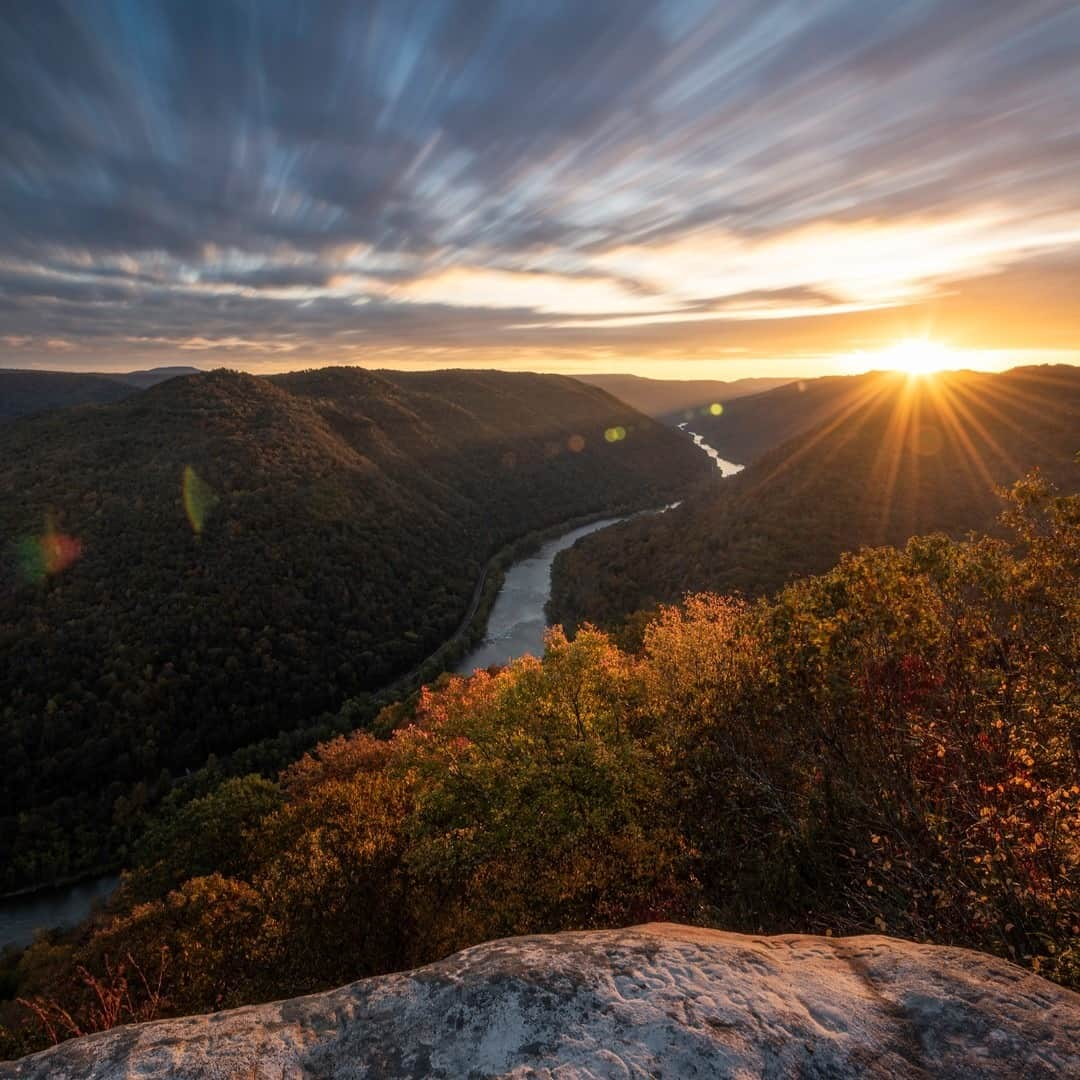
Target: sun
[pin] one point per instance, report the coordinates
(918, 356)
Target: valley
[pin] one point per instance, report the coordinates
(205, 617)
(514, 626)
(727, 468)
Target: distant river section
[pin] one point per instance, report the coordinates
(727, 468)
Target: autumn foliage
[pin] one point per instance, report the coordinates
(893, 746)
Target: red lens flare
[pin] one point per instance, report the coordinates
(44, 556)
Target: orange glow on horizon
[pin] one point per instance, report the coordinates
(920, 356)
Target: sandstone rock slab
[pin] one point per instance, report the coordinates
(651, 1001)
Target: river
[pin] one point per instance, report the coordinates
(727, 468)
(516, 624)
(64, 905)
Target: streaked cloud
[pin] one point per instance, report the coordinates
(493, 182)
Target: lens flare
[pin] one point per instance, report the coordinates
(615, 434)
(716, 408)
(576, 443)
(199, 498)
(41, 557)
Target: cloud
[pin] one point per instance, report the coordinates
(226, 344)
(864, 262)
(473, 175)
(534, 291)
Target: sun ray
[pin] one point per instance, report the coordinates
(970, 457)
(888, 461)
(1037, 406)
(967, 413)
(861, 401)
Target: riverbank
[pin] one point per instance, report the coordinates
(515, 625)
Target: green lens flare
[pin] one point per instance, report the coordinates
(30, 560)
(199, 498)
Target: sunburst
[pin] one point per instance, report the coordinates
(919, 356)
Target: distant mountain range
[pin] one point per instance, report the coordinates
(675, 400)
(24, 392)
(223, 558)
(835, 464)
(152, 376)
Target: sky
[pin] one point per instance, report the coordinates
(676, 188)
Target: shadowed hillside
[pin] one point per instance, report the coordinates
(25, 392)
(898, 457)
(221, 558)
(152, 376)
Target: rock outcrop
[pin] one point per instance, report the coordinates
(651, 1001)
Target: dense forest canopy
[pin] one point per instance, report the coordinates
(893, 746)
(223, 557)
(895, 458)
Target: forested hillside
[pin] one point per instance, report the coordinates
(888, 748)
(898, 457)
(673, 399)
(222, 557)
